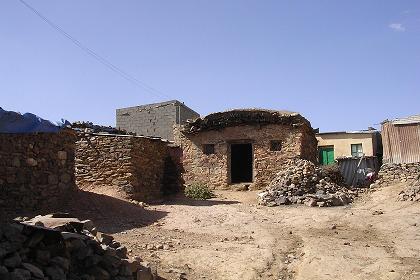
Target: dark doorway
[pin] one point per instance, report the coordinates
(241, 163)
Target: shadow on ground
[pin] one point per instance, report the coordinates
(181, 199)
(109, 214)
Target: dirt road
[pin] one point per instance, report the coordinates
(230, 237)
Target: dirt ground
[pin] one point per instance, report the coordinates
(231, 237)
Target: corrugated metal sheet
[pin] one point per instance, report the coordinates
(401, 143)
(408, 120)
(354, 175)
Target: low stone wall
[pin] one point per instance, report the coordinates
(36, 169)
(133, 166)
(391, 173)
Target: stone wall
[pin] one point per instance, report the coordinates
(391, 173)
(214, 170)
(133, 166)
(36, 170)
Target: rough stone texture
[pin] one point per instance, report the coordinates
(392, 173)
(154, 119)
(302, 182)
(412, 192)
(137, 166)
(36, 169)
(66, 251)
(297, 142)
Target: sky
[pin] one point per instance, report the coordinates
(344, 65)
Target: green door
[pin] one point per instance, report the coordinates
(326, 155)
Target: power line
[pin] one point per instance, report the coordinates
(95, 55)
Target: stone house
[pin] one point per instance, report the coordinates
(347, 144)
(246, 146)
(156, 119)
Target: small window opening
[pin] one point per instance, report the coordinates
(208, 149)
(275, 145)
(356, 150)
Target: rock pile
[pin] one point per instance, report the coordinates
(391, 173)
(412, 192)
(301, 181)
(89, 127)
(57, 247)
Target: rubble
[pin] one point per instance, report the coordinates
(391, 173)
(302, 182)
(58, 247)
(89, 127)
(412, 192)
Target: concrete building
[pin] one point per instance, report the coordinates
(156, 119)
(341, 144)
(246, 147)
(401, 140)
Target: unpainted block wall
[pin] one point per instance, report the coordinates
(36, 170)
(214, 169)
(155, 119)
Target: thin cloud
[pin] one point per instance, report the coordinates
(397, 27)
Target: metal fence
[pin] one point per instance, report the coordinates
(354, 170)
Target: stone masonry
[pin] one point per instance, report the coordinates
(135, 166)
(36, 169)
(154, 119)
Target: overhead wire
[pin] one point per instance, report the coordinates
(96, 56)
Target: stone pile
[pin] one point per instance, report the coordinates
(391, 173)
(57, 247)
(89, 127)
(302, 182)
(412, 192)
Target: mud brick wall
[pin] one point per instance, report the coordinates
(297, 142)
(135, 166)
(36, 170)
(392, 173)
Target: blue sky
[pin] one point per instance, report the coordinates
(345, 65)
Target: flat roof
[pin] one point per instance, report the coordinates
(407, 120)
(349, 132)
(159, 104)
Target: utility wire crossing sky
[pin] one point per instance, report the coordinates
(344, 66)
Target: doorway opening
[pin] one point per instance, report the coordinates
(241, 163)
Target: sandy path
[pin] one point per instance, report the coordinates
(232, 238)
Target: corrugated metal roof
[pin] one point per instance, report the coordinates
(408, 120)
(349, 132)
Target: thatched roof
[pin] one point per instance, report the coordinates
(220, 120)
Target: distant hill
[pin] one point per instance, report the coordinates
(13, 122)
